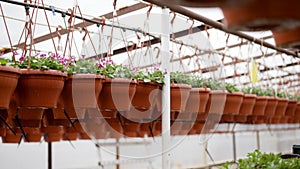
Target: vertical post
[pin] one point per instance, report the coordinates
(234, 146)
(257, 140)
(165, 60)
(49, 155)
(117, 154)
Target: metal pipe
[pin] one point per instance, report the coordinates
(165, 60)
(217, 25)
(49, 155)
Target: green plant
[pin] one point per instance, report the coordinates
(42, 62)
(213, 84)
(259, 160)
(254, 90)
(157, 76)
(269, 92)
(118, 71)
(197, 81)
(178, 77)
(84, 66)
(282, 94)
(231, 88)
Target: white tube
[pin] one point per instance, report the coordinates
(165, 60)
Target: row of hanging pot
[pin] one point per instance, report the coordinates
(281, 17)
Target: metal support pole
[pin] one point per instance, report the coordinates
(165, 60)
(234, 146)
(49, 155)
(257, 140)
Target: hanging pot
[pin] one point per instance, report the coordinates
(145, 95)
(287, 38)
(216, 102)
(70, 134)
(39, 88)
(281, 106)
(197, 100)
(116, 94)
(32, 134)
(131, 128)
(179, 96)
(256, 15)
(271, 106)
(227, 118)
(9, 79)
(260, 105)
(240, 118)
(29, 117)
(53, 133)
(136, 114)
(11, 137)
(81, 91)
(291, 108)
(233, 103)
(248, 104)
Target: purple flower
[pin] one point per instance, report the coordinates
(2, 53)
(42, 55)
(15, 53)
(99, 65)
(22, 58)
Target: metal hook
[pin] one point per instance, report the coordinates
(158, 51)
(173, 19)
(149, 10)
(131, 44)
(191, 27)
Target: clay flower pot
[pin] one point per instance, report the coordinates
(2, 132)
(9, 79)
(206, 3)
(233, 103)
(291, 108)
(271, 106)
(11, 137)
(297, 112)
(145, 95)
(40, 89)
(287, 38)
(227, 118)
(260, 105)
(70, 134)
(179, 96)
(116, 94)
(131, 129)
(29, 117)
(216, 102)
(138, 114)
(240, 118)
(281, 106)
(81, 91)
(262, 15)
(197, 100)
(32, 134)
(53, 133)
(248, 104)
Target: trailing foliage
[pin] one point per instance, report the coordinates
(259, 160)
(157, 76)
(178, 77)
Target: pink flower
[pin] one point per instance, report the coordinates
(15, 53)
(2, 53)
(22, 58)
(42, 55)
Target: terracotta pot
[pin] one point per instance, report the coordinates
(116, 94)
(297, 112)
(138, 114)
(9, 79)
(274, 120)
(216, 102)
(233, 103)
(11, 138)
(197, 100)
(81, 91)
(201, 117)
(70, 134)
(268, 15)
(291, 108)
(36, 85)
(2, 132)
(4, 115)
(114, 127)
(260, 105)
(287, 38)
(32, 134)
(131, 127)
(240, 118)
(248, 104)
(84, 136)
(283, 120)
(179, 96)
(53, 133)
(29, 117)
(146, 129)
(97, 113)
(145, 95)
(271, 106)
(227, 118)
(176, 126)
(258, 119)
(206, 3)
(281, 106)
